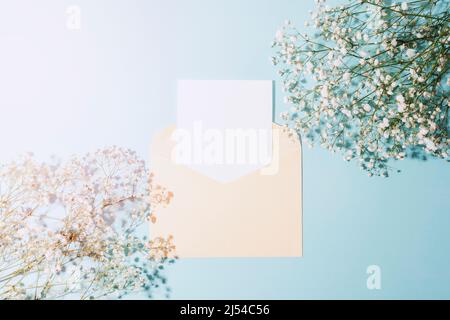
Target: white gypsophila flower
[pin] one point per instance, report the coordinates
(367, 107)
(70, 229)
(369, 81)
(346, 76)
(410, 53)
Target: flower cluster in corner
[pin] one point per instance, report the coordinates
(372, 83)
(72, 229)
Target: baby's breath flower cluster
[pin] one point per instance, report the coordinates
(373, 82)
(71, 230)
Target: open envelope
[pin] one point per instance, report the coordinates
(256, 215)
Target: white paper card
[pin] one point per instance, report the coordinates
(224, 127)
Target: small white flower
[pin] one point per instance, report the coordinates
(279, 36)
(410, 53)
(384, 124)
(367, 107)
(347, 113)
(346, 76)
(430, 145)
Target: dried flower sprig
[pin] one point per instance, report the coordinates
(373, 82)
(72, 230)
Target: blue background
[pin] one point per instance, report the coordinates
(114, 82)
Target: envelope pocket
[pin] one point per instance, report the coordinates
(257, 215)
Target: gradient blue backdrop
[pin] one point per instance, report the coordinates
(113, 82)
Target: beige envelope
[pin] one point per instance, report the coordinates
(258, 215)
